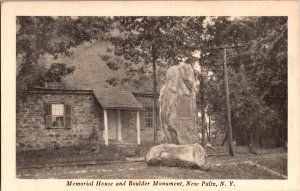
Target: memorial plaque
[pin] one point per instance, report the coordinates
(184, 106)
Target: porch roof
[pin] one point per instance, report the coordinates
(143, 98)
(145, 102)
(117, 100)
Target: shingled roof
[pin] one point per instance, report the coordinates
(117, 100)
(143, 98)
(108, 99)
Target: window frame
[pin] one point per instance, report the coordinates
(64, 115)
(148, 110)
(49, 116)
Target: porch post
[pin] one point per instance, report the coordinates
(138, 128)
(119, 126)
(105, 133)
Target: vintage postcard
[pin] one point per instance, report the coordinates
(164, 95)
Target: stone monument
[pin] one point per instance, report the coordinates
(188, 156)
(178, 109)
(178, 115)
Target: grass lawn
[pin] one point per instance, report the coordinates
(269, 164)
(78, 154)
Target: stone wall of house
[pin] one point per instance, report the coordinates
(129, 131)
(86, 121)
(112, 122)
(147, 136)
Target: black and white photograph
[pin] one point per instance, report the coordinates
(142, 101)
(152, 97)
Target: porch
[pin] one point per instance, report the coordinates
(121, 117)
(121, 127)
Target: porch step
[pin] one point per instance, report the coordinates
(125, 144)
(129, 149)
(135, 159)
(116, 142)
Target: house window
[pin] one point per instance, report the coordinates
(57, 115)
(148, 117)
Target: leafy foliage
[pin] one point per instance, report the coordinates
(55, 73)
(144, 40)
(55, 36)
(257, 75)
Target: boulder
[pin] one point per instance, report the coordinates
(188, 156)
(178, 109)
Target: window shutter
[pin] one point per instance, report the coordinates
(48, 115)
(68, 116)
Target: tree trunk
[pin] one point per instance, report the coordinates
(203, 126)
(250, 139)
(209, 129)
(228, 106)
(251, 142)
(154, 96)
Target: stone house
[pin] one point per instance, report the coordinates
(60, 116)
